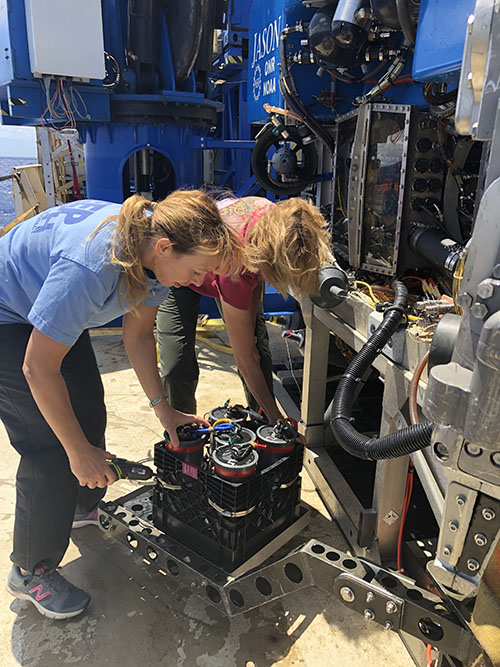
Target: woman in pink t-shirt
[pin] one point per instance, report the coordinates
(286, 244)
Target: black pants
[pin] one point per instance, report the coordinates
(176, 333)
(47, 492)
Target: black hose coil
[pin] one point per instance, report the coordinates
(403, 442)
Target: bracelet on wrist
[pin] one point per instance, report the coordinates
(157, 400)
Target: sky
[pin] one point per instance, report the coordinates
(17, 141)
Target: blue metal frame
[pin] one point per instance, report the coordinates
(109, 143)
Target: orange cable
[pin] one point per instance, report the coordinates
(412, 402)
(412, 398)
(413, 277)
(428, 655)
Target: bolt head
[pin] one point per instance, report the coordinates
(453, 526)
(495, 459)
(479, 311)
(473, 450)
(472, 564)
(391, 607)
(460, 500)
(368, 614)
(485, 289)
(447, 550)
(480, 539)
(464, 300)
(347, 594)
(488, 514)
(496, 271)
(441, 451)
(388, 625)
(370, 596)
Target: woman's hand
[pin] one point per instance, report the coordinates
(170, 419)
(88, 465)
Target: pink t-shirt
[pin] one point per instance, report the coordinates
(242, 214)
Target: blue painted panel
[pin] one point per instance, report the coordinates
(440, 39)
(28, 102)
(267, 19)
(108, 147)
(274, 303)
(14, 38)
(6, 66)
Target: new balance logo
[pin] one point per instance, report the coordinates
(39, 595)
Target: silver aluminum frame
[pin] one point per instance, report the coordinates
(390, 479)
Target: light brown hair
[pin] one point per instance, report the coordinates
(189, 218)
(288, 245)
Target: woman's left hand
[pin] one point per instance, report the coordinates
(170, 419)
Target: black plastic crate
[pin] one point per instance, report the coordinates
(226, 522)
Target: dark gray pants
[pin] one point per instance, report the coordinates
(176, 333)
(47, 492)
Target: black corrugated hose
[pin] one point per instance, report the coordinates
(403, 442)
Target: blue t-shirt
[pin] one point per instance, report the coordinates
(55, 279)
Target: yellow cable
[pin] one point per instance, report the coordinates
(370, 290)
(457, 280)
(212, 324)
(222, 420)
(410, 318)
(221, 348)
(339, 194)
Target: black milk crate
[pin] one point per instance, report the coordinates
(226, 522)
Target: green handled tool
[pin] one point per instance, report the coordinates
(124, 469)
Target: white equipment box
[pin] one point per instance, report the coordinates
(65, 38)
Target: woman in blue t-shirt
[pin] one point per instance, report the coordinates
(67, 269)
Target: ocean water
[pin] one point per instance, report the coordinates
(7, 213)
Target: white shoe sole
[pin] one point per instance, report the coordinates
(57, 616)
(84, 522)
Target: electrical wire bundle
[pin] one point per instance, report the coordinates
(291, 96)
(63, 106)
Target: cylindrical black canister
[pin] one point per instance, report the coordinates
(232, 412)
(238, 436)
(273, 443)
(235, 463)
(233, 493)
(190, 448)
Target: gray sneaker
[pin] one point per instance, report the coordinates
(51, 593)
(89, 519)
